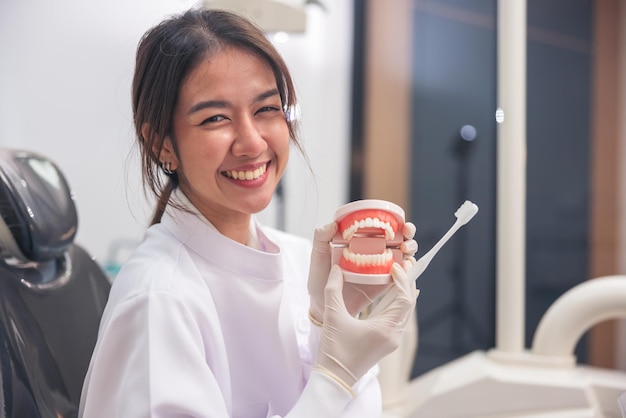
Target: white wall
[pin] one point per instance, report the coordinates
(321, 63)
(65, 92)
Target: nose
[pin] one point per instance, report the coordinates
(249, 140)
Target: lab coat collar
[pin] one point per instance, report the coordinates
(199, 235)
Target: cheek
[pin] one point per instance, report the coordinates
(276, 134)
(283, 141)
(282, 149)
(201, 159)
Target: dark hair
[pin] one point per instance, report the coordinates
(166, 54)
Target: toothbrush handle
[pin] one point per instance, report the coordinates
(423, 262)
(444, 239)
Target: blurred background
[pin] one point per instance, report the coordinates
(398, 102)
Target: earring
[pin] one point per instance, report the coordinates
(167, 168)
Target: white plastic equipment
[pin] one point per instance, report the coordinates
(541, 382)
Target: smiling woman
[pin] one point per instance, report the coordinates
(230, 134)
(210, 314)
(187, 98)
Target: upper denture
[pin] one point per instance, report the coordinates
(367, 220)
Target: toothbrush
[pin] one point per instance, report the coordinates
(463, 215)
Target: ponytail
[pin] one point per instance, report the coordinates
(163, 199)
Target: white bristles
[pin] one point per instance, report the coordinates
(463, 214)
(466, 212)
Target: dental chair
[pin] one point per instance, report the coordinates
(52, 293)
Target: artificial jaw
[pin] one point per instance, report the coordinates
(367, 233)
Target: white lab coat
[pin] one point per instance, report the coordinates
(198, 325)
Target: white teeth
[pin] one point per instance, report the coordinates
(368, 259)
(246, 175)
(349, 232)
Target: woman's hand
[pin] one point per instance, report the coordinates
(357, 297)
(349, 347)
(319, 270)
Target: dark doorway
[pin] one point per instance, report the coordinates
(454, 85)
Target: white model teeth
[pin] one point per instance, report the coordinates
(349, 232)
(368, 259)
(246, 175)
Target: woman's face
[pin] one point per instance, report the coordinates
(231, 136)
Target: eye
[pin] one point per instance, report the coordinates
(268, 109)
(213, 119)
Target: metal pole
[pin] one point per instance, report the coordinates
(511, 180)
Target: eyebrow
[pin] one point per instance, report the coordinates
(222, 103)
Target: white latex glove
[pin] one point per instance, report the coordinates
(349, 347)
(319, 269)
(357, 296)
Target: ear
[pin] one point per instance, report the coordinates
(165, 153)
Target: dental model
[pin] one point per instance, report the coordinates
(368, 240)
(369, 235)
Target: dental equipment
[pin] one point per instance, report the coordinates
(369, 236)
(463, 215)
(368, 239)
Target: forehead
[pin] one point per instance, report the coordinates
(226, 69)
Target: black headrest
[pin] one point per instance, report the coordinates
(38, 218)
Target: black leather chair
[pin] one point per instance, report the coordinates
(52, 292)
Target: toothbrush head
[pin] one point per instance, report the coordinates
(466, 212)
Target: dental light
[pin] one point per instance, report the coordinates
(271, 15)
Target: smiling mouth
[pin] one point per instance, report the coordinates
(247, 175)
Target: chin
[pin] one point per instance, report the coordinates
(258, 205)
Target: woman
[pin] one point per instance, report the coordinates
(210, 315)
